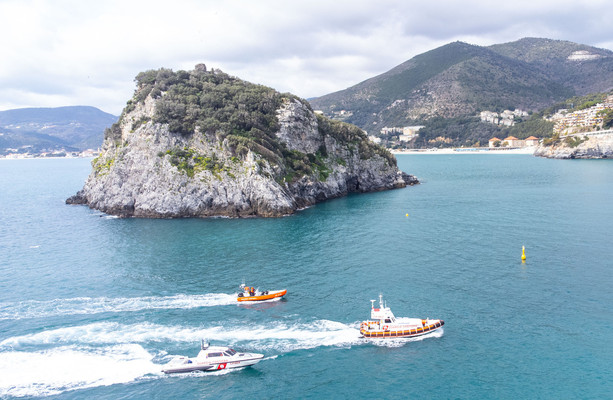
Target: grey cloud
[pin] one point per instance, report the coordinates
(92, 54)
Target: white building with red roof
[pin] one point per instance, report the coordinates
(531, 141)
(492, 142)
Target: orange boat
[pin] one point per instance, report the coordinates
(251, 294)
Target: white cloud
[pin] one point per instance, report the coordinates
(68, 52)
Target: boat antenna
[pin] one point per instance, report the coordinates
(372, 303)
(204, 344)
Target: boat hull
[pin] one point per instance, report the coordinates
(273, 294)
(202, 367)
(187, 368)
(377, 333)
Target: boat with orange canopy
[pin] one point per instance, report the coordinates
(250, 293)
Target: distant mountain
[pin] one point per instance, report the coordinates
(70, 128)
(457, 81)
(585, 69)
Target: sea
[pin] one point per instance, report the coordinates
(93, 306)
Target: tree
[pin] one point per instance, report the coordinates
(607, 120)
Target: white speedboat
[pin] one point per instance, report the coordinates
(212, 358)
(384, 324)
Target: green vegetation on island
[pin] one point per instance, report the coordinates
(241, 116)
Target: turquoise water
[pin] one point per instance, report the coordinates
(92, 306)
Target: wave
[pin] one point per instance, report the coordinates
(116, 353)
(53, 371)
(89, 305)
(277, 336)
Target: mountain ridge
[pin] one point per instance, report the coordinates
(458, 80)
(54, 128)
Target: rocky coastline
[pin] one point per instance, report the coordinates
(152, 167)
(592, 146)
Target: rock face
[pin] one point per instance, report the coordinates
(202, 144)
(590, 146)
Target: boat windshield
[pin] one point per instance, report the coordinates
(230, 352)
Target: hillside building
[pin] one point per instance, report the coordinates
(405, 133)
(505, 118)
(581, 120)
(374, 139)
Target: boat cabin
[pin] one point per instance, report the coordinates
(214, 352)
(382, 314)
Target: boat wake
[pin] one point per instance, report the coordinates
(89, 305)
(121, 353)
(275, 337)
(51, 362)
(61, 369)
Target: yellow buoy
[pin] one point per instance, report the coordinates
(523, 253)
(407, 214)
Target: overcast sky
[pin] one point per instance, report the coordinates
(85, 52)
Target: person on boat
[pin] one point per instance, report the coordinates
(252, 291)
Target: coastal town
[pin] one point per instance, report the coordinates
(586, 121)
(580, 121)
(23, 152)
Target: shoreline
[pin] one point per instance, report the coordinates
(453, 150)
(471, 150)
(35, 157)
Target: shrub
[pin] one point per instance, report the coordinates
(574, 141)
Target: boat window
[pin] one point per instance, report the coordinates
(214, 355)
(388, 320)
(230, 352)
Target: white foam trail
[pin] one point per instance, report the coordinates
(61, 369)
(278, 336)
(284, 337)
(89, 305)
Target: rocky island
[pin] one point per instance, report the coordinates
(202, 143)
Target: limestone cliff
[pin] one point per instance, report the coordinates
(578, 146)
(202, 143)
